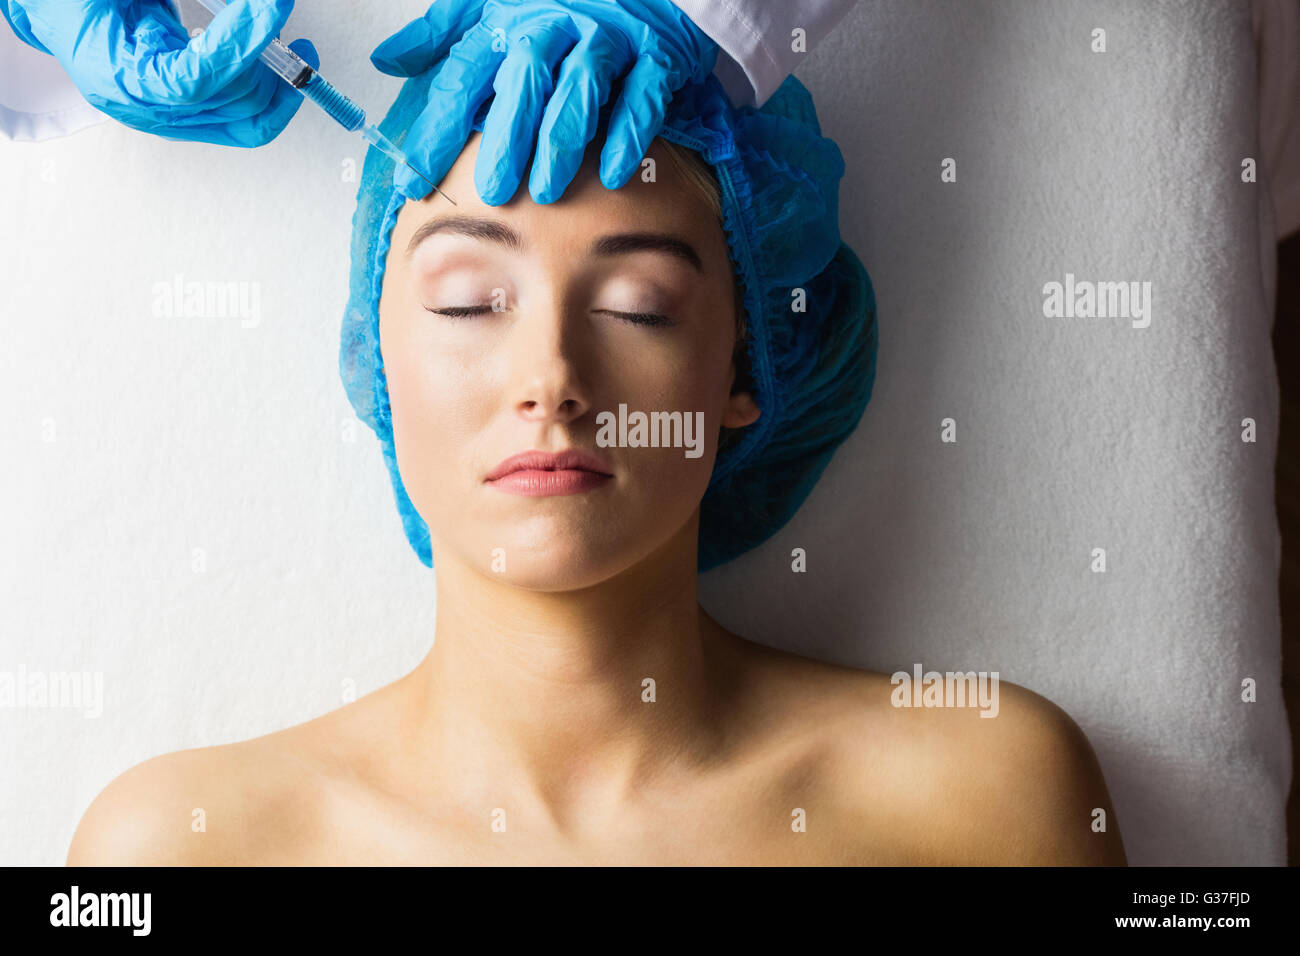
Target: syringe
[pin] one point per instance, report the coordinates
(299, 74)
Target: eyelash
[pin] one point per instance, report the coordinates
(634, 318)
(461, 311)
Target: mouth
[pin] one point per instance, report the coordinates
(538, 473)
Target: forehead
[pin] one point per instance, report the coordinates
(656, 198)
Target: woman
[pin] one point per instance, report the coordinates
(578, 705)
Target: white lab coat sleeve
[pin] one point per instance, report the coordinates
(758, 44)
(37, 99)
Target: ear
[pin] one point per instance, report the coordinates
(740, 410)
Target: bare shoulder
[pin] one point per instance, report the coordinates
(942, 784)
(260, 801)
(1020, 787)
(207, 807)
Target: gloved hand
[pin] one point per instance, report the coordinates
(133, 60)
(513, 47)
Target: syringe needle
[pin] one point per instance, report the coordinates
(386, 146)
(430, 182)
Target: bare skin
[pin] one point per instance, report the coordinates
(526, 735)
(879, 785)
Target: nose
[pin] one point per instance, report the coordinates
(548, 356)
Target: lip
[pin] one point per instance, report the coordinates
(538, 473)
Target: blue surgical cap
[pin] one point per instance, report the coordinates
(809, 306)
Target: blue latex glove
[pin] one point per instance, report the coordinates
(133, 60)
(513, 47)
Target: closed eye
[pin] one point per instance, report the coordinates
(636, 318)
(640, 318)
(461, 311)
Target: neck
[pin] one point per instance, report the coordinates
(547, 697)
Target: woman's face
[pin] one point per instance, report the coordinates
(507, 329)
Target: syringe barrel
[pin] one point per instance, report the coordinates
(295, 71)
(341, 109)
(312, 85)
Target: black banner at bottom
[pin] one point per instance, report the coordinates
(954, 905)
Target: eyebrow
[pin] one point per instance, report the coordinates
(490, 230)
(625, 242)
(493, 230)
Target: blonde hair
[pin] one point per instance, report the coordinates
(704, 182)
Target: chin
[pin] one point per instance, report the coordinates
(554, 561)
(558, 570)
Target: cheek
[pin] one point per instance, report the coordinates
(690, 374)
(434, 396)
(692, 379)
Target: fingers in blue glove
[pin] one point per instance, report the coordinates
(307, 50)
(635, 120)
(251, 120)
(217, 57)
(456, 91)
(572, 114)
(523, 86)
(651, 41)
(427, 39)
(271, 122)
